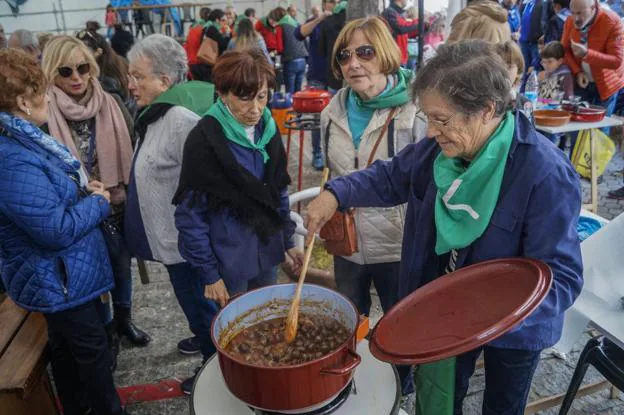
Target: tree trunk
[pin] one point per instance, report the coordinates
(362, 8)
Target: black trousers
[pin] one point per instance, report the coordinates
(80, 359)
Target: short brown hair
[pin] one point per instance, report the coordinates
(242, 73)
(20, 74)
(512, 55)
(376, 31)
(277, 13)
(553, 50)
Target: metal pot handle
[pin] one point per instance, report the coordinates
(354, 361)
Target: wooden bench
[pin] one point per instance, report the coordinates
(24, 383)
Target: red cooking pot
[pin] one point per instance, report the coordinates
(311, 100)
(287, 389)
(592, 113)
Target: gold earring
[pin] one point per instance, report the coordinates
(28, 111)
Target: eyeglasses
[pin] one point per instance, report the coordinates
(436, 123)
(364, 53)
(67, 71)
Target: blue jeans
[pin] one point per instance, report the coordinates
(316, 134)
(294, 72)
(531, 58)
(200, 311)
(508, 375)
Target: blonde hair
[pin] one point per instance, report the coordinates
(57, 52)
(376, 31)
(512, 55)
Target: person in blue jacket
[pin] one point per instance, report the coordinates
(233, 214)
(53, 255)
(513, 18)
(485, 186)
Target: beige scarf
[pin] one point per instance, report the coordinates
(114, 148)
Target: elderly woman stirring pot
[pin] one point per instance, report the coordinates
(486, 186)
(169, 109)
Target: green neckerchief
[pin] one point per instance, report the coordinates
(265, 23)
(197, 96)
(235, 131)
(397, 96)
(435, 387)
(288, 20)
(200, 22)
(339, 7)
(211, 23)
(467, 196)
(238, 20)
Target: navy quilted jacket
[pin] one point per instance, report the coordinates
(52, 251)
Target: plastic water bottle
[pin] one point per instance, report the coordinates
(530, 92)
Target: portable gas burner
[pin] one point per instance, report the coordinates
(374, 390)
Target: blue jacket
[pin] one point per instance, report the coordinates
(52, 251)
(514, 19)
(536, 216)
(218, 246)
(317, 63)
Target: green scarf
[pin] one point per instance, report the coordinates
(397, 96)
(467, 196)
(214, 24)
(238, 20)
(267, 25)
(197, 96)
(200, 22)
(235, 131)
(288, 20)
(339, 7)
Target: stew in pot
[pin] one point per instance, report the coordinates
(263, 343)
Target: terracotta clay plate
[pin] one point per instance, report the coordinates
(461, 311)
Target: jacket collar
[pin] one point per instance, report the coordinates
(524, 133)
(398, 8)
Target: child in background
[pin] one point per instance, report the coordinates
(111, 20)
(556, 80)
(512, 56)
(435, 35)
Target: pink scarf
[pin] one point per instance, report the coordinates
(112, 140)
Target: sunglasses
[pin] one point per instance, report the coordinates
(364, 53)
(67, 71)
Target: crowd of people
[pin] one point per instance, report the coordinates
(113, 147)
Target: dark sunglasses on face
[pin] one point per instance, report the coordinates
(364, 53)
(67, 71)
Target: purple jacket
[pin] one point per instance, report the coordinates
(536, 217)
(218, 246)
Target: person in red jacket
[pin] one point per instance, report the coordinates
(272, 33)
(399, 26)
(592, 38)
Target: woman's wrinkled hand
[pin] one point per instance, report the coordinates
(217, 292)
(104, 193)
(95, 186)
(320, 210)
(294, 260)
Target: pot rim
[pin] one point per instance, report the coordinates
(281, 367)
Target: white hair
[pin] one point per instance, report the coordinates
(166, 55)
(26, 38)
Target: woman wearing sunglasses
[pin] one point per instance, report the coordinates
(375, 105)
(52, 252)
(90, 122)
(485, 186)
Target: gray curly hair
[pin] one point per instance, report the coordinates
(167, 56)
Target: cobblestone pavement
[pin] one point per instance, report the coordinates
(157, 311)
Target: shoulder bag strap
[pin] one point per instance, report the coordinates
(371, 158)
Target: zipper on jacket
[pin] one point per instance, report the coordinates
(63, 271)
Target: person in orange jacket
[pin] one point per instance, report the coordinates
(592, 38)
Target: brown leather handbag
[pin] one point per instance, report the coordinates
(208, 51)
(339, 232)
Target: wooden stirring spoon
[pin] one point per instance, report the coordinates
(293, 314)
